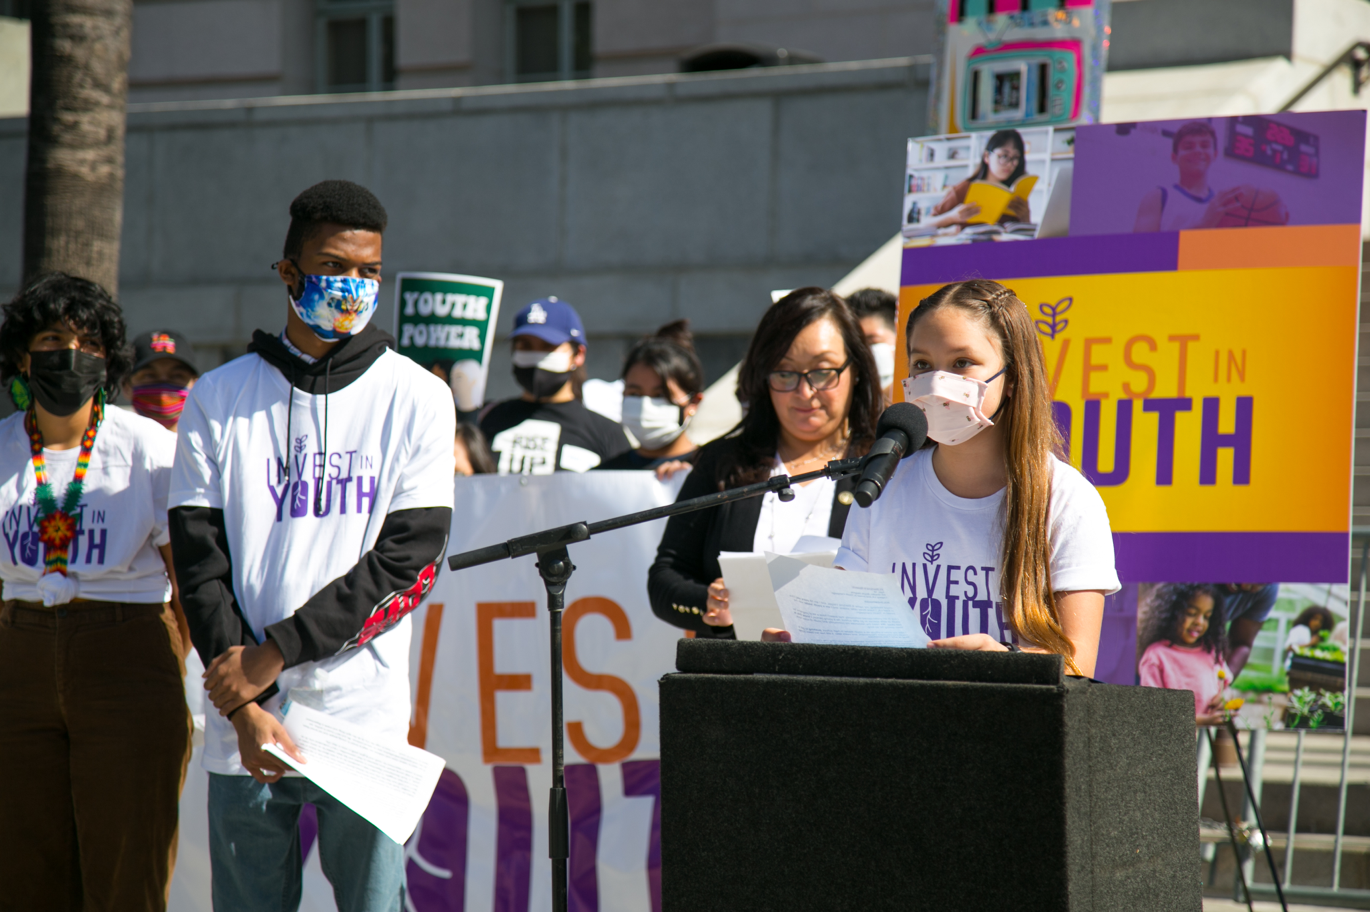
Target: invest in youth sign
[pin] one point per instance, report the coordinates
(449, 320)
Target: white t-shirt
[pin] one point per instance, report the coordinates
(121, 518)
(781, 525)
(389, 448)
(946, 549)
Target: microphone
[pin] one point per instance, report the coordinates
(903, 428)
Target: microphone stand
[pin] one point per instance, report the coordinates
(555, 567)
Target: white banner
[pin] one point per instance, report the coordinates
(480, 666)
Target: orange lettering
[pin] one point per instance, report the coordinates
(1060, 363)
(1091, 367)
(1144, 368)
(432, 624)
(632, 717)
(1183, 342)
(486, 615)
(1233, 363)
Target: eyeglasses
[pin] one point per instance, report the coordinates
(825, 378)
(1007, 158)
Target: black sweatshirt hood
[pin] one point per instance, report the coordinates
(344, 364)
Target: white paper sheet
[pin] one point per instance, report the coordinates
(751, 598)
(825, 605)
(387, 784)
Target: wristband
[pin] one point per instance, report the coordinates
(1012, 647)
(229, 716)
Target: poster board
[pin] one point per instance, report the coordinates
(1017, 63)
(1177, 355)
(449, 321)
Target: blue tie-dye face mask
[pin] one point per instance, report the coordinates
(335, 307)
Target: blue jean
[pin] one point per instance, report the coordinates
(254, 849)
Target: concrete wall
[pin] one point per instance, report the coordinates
(638, 200)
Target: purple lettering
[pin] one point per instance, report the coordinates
(1122, 444)
(368, 494)
(1238, 441)
(299, 499)
(951, 581)
(92, 545)
(278, 497)
(951, 616)
(1060, 414)
(583, 802)
(342, 493)
(1166, 409)
(513, 839)
(983, 606)
(435, 868)
(642, 779)
(908, 579)
(326, 485)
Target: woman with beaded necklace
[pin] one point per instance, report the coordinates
(813, 395)
(94, 730)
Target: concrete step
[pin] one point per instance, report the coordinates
(1318, 794)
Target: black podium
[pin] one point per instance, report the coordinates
(798, 777)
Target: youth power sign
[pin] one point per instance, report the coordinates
(449, 320)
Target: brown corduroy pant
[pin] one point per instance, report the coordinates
(94, 742)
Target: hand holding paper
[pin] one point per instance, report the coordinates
(387, 784)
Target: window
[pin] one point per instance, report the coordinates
(548, 40)
(356, 45)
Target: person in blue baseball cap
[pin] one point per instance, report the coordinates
(548, 428)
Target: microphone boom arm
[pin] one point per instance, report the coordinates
(555, 568)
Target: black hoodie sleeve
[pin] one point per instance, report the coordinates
(204, 572)
(385, 585)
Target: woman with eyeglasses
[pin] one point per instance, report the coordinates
(1003, 163)
(812, 395)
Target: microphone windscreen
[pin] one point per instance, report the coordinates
(909, 418)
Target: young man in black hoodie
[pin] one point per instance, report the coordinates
(311, 500)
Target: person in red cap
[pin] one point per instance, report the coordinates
(164, 370)
(548, 428)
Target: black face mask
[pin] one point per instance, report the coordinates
(62, 381)
(540, 383)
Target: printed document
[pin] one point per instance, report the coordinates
(387, 784)
(751, 598)
(825, 605)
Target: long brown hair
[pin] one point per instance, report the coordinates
(1031, 444)
(759, 429)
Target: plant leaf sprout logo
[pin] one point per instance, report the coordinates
(932, 552)
(536, 314)
(1054, 324)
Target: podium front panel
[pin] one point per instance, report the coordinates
(834, 791)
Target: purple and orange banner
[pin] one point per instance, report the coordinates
(1204, 379)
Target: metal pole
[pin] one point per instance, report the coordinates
(1357, 633)
(1293, 808)
(1227, 816)
(555, 568)
(1257, 762)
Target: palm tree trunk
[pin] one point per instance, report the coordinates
(74, 186)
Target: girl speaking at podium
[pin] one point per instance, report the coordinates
(998, 543)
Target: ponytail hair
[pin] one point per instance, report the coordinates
(1031, 443)
(670, 353)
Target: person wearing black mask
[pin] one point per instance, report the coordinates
(94, 730)
(549, 429)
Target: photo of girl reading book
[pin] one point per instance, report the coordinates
(1001, 166)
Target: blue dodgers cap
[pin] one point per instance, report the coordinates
(551, 320)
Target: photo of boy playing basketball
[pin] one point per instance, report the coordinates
(1192, 202)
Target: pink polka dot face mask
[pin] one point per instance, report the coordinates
(952, 404)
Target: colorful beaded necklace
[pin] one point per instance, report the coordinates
(57, 525)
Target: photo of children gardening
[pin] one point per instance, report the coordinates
(1273, 655)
